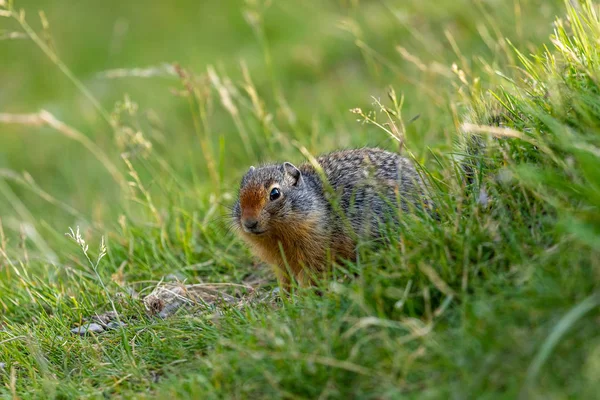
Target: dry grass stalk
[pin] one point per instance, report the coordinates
(44, 118)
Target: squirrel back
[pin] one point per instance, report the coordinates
(299, 219)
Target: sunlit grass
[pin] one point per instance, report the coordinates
(498, 297)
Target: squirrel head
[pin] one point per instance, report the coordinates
(268, 196)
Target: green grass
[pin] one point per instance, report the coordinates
(500, 298)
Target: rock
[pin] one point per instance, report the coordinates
(483, 198)
(166, 299)
(99, 323)
(115, 325)
(89, 328)
(105, 318)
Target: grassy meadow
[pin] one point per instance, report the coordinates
(133, 122)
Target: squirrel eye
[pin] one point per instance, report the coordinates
(275, 194)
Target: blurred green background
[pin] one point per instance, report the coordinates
(311, 61)
(284, 74)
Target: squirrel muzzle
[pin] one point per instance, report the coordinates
(252, 225)
(252, 201)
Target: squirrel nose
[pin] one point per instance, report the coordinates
(250, 223)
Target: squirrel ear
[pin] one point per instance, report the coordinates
(293, 173)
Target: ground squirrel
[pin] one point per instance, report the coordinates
(298, 223)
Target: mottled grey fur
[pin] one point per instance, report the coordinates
(364, 187)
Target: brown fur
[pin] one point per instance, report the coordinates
(300, 232)
(252, 201)
(290, 249)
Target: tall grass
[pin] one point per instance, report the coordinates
(497, 298)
